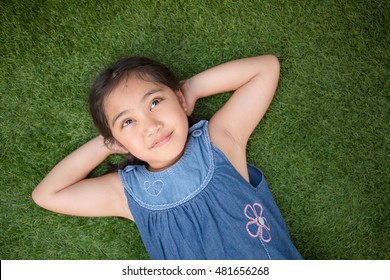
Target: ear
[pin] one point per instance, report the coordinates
(182, 100)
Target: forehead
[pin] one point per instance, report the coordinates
(130, 93)
(131, 88)
(133, 84)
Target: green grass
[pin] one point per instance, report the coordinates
(324, 144)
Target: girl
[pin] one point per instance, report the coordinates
(188, 188)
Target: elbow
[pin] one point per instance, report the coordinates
(269, 64)
(38, 197)
(274, 67)
(274, 63)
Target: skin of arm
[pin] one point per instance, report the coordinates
(254, 81)
(65, 189)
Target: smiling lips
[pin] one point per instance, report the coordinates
(163, 140)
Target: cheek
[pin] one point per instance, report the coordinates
(129, 143)
(132, 143)
(176, 113)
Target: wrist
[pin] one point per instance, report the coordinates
(101, 147)
(191, 90)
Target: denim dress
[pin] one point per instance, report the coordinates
(202, 208)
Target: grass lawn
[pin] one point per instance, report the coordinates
(324, 145)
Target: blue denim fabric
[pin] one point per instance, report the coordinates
(202, 208)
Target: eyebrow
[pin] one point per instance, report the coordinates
(118, 116)
(146, 95)
(150, 92)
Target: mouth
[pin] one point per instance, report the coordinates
(162, 141)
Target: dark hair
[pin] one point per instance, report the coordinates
(144, 68)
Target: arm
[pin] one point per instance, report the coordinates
(254, 81)
(65, 189)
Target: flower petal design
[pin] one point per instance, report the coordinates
(249, 212)
(252, 228)
(258, 225)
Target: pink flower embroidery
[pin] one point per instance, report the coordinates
(258, 225)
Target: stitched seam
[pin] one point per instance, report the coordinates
(266, 250)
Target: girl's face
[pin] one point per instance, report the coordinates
(149, 120)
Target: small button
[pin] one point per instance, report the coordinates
(197, 133)
(128, 168)
(260, 221)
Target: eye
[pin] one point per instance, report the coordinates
(154, 103)
(127, 123)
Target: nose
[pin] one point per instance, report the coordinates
(151, 126)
